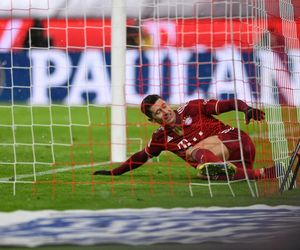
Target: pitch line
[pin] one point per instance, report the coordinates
(53, 171)
(65, 169)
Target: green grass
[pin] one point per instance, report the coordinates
(61, 138)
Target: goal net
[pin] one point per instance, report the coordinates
(72, 78)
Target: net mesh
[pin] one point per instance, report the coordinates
(55, 77)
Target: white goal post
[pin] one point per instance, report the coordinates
(118, 78)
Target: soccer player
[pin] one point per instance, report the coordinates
(192, 132)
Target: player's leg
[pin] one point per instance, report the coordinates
(212, 156)
(248, 152)
(242, 152)
(209, 149)
(224, 148)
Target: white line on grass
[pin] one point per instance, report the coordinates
(52, 171)
(65, 169)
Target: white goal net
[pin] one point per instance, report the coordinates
(73, 74)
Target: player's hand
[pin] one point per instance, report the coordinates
(102, 172)
(255, 114)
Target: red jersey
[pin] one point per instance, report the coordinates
(196, 121)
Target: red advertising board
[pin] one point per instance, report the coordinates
(78, 34)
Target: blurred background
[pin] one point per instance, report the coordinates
(205, 29)
(136, 8)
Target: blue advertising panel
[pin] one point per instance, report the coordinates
(45, 76)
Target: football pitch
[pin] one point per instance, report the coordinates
(67, 144)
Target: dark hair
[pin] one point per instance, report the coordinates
(147, 103)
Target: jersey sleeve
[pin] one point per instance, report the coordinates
(208, 107)
(215, 107)
(155, 146)
(231, 104)
(133, 162)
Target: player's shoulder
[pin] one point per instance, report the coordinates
(158, 135)
(158, 132)
(190, 105)
(203, 102)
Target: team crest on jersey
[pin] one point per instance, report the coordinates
(169, 138)
(187, 120)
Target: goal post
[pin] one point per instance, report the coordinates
(118, 78)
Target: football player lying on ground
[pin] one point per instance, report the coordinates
(195, 135)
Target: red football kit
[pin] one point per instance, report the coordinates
(196, 122)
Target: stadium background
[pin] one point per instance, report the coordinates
(82, 40)
(81, 45)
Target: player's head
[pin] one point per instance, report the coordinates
(158, 110)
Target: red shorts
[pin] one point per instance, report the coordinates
(230, 138)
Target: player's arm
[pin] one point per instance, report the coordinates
(216, 107)
(152, 149)
(133, 162)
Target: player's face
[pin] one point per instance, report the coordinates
(162, 113)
